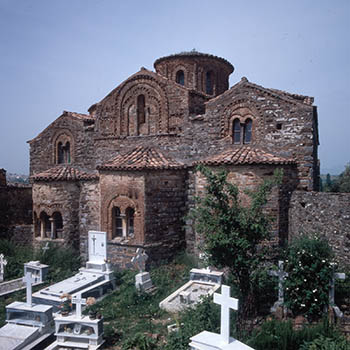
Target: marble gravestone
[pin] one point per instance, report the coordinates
(95, 280)
(77, 331)
(38, 271)
(142, 279)
(213, 341)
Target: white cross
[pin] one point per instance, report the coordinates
(78, 301)
(140, 259)
(94, 243)
(224, 299)
(281, 276)
(45, 248)
(3, 263)
(29, 280)
(335, 275)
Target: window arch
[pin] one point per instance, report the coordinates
(141, 109)
(247, 131)
(180, 77)
(209, 83)
(63, 146)
(45, 225)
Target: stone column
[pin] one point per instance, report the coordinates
(53, 228)
(42, 228)
(125, 224)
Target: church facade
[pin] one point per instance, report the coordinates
(128, 167)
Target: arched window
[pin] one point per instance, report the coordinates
(36, 226)
(141, 113)
(236, 131)
(180, 77)
(63, 153)
(60, 153)
(45, 225)
(248, 131)
(57, 225)
(118, 223)
(130, 213)
(209, 83)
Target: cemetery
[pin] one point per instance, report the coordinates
(178, 305)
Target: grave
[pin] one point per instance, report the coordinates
(37, 270)
(202, 282)
(335, 275)
(76, 331)
(142, 279)
(27, 324)
(94, 280)
(281, 274)
(213, 341)
(3, 263)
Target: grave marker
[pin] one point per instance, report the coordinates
(281, 274)
(3, 263)
(140, 259)
(45, 247)
(29, 280)
(142, 279)
(97, 246)
(78, 301)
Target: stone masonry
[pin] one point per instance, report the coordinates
(128, 167)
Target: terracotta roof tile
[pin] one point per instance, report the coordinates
(141, 158)
(245, 155)
(63, 173)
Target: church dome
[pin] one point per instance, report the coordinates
(195, 70)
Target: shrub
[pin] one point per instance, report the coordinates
(139, 342)
(325, 343)
(309, 265)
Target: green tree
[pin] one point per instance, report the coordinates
(342, 184)
(233, 233)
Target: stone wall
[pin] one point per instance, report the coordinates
(15, 210)
(327, 214)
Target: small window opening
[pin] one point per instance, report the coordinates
(248, 131)
(236, 131)
(141, 113)
(278, 126)
(130, 213)
(209, 83)
(180, 77)
(118, 223)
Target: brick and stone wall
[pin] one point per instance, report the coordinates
(326, 214)
(248, 178)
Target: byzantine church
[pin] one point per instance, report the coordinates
(129, 166)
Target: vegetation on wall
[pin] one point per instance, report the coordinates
(232, 232)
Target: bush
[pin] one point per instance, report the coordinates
(324, 343)
(309, 265)
(139, 342)
(279, 335)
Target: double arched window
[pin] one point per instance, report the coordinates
(63, 153)
(141, 109)
(63, 148)
(242, 132)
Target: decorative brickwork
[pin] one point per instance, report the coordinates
(128, 167)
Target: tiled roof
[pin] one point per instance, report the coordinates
(141, 158)
(245, 155)
(63, 173)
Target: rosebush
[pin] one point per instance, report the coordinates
(309, 265)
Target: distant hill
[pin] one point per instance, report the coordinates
(17, 178)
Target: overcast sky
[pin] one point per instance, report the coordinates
(60, 55)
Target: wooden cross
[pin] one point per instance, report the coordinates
(335, 275)
(224, 299)
(29, 280)
(281, 276)
(3, 263)
(78, 301)
(140, 259)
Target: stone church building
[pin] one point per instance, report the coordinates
(128, 167)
